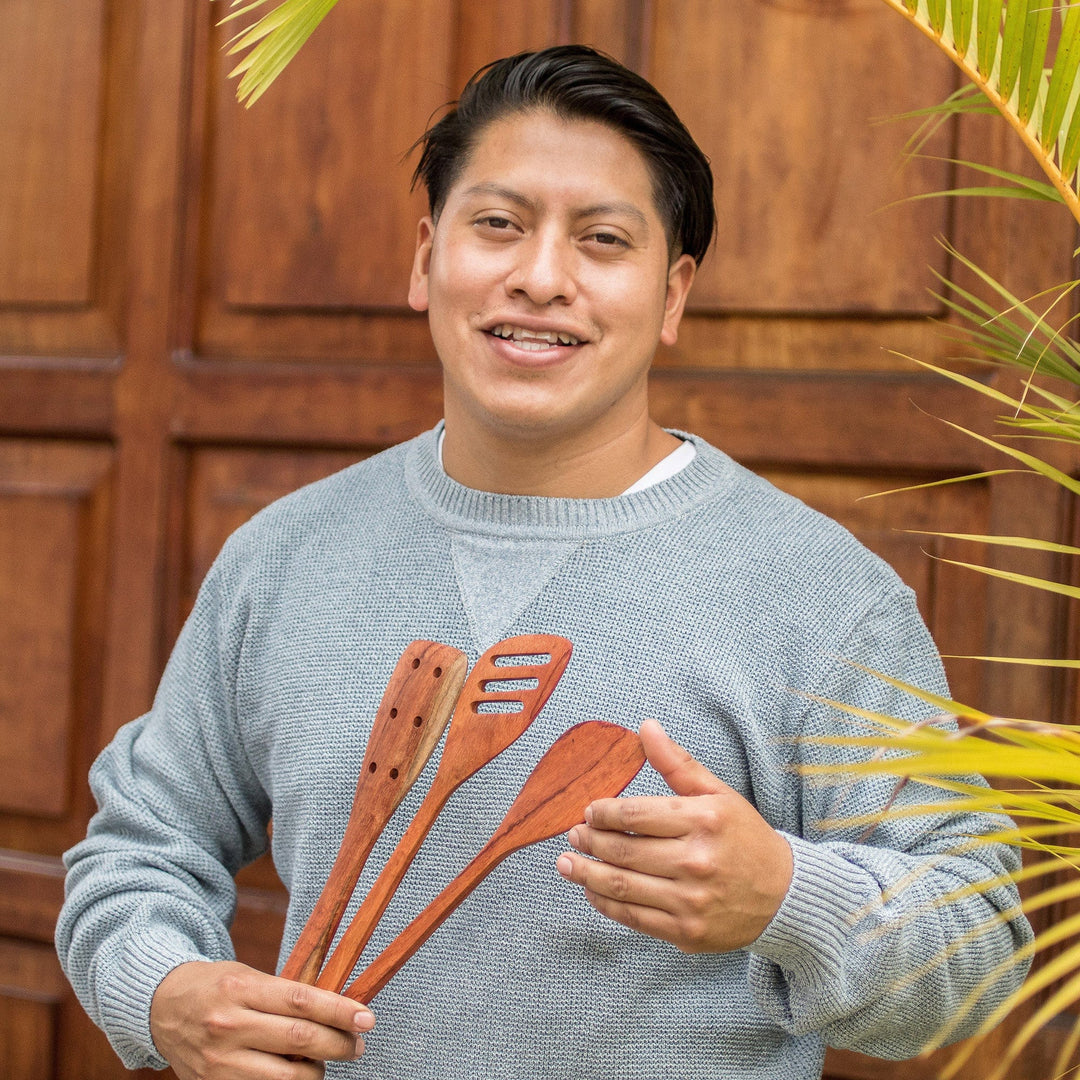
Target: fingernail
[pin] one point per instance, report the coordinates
(359, 1049)
(564, 865)
(364, 1021)
(574, 837)
(588, 814)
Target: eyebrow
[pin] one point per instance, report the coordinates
(627, 209)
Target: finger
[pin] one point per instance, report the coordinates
(643, 854)
(618, 897)
(303, 1039)
(259, 1065)
(645, 815)
(298, 1000)
(681, 771)
(615, 884)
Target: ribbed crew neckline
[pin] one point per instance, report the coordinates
(466, 509)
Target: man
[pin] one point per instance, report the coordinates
(726, 933)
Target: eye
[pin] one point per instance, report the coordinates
(495, 223)
(609, 240)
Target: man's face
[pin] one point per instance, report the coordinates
(548, 283)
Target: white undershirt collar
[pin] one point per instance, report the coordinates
(678, 459)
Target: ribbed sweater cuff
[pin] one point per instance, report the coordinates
(147, 959)
(808, 935)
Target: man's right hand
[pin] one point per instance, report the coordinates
(227, 1021)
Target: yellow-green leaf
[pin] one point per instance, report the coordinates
(1029, 661)
(1012, 45)
(1070, 149)
(1072, 591)
(1025, 542)
(962, 14)
(988, 35)
(1062, 78)
(936, 11)
(1034, 463)
(273, 41)
(1033, 58)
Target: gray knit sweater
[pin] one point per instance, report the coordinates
(709, 601)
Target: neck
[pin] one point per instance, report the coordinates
(579, 468)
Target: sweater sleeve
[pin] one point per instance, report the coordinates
(179, 811)
(856, 950)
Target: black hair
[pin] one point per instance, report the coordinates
(579, 83)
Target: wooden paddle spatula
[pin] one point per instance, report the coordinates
(592, 760)
(475, 737)
(414, 711)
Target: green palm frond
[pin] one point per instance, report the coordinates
(272, 40)
(1025, 542)
(966, 100)
(1046, 811)
(1004, 49)
(1019, 334)
(1016, 185)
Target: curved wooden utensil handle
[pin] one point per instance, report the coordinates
(414, 711)
(474, 739)
(592, 760)
(357, 934)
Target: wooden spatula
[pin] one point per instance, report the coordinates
(592, 760)
(414, 711)
(475, 737)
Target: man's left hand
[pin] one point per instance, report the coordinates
(701, 869)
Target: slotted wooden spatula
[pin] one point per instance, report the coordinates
(475, 737)
(592, 760)
(414, 711)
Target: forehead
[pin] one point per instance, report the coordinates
(573, 160)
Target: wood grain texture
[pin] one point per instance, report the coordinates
(592, 760)
(783, 97)
(475, 738)
(54, 500)
(312, 189)
(488, 31)
(50, 130)
(410, 720)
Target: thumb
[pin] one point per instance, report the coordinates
(684, 774)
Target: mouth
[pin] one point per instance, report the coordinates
(536, 340)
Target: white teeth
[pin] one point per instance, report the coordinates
(533, 339)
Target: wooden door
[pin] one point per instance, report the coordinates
(202, 307)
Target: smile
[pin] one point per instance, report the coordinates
(533, 339)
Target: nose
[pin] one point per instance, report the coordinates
(543, 270)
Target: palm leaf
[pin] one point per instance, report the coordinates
(1012, 45)
(1026, 542)
(1017, 335)
(1003, 49)
(1009, 64)
(1027, 661)
(1060, 588)
(962, 102)
(988, 35)
(1016, 185)
(1044, 754)
(1062, 78)
(272, 41)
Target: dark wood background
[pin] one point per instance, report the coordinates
(202, 307)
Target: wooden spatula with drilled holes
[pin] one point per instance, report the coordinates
(475, 737)
(592, 760)
(414, 711)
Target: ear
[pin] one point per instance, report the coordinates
(680, 278)
(418, 282)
